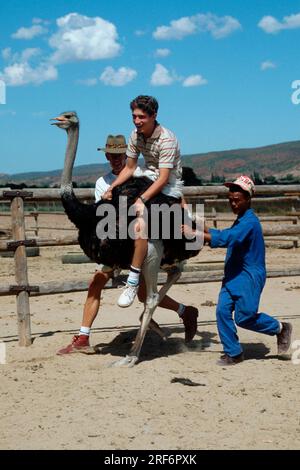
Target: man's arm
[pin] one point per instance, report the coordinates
(125, 174)
(233, 235)
(158, 185)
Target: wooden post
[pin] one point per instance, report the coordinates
(214, 215)
(23, 309)
(36, 215)
(295, 242)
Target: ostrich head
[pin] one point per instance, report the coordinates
(66, 120)
(70, 123)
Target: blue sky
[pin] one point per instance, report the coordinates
(222, 71)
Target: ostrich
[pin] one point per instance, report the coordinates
(118, 252)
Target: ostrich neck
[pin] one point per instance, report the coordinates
(66, 179)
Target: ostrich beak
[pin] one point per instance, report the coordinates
(60, 120)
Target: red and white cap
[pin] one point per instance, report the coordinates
(243, 182)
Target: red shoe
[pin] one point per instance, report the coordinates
(80, 343)
(189, 318)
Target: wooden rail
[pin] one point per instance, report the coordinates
(53, 194)
(54, 287)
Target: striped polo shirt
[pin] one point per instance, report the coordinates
(161, 150)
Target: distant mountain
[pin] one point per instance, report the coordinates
(278, 160)
(82, 173)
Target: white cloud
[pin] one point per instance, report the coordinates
(29, 53)
(267, 64)
(178, 29)
(6, 53)
(29, 33)
(218, 26)
(119, 77)
(22, 56)
(88, 82)
(194, 80)
(39, 21)
(271, 25)
(162, 76)
(140, 32)
(162, 52)
(23, 74)
(81, 37)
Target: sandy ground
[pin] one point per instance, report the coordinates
(78, 402)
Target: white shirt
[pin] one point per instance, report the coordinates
(104, 182)
(102, 185)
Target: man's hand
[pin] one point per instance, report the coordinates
(188, 231)
(139, 207)
(108, 194)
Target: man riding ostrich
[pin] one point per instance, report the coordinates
(115, 252)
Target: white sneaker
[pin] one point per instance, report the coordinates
(128, 295)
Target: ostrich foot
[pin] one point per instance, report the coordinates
(127, 361)
(155, 327)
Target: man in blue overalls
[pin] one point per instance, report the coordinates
(244, 277)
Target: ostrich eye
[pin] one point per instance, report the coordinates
(68, 116)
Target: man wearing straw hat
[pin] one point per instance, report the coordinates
(115, 152)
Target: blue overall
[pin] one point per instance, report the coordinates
(243, 282)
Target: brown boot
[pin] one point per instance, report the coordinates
(284, 338)
(226, 360)
(189, 318)
(80, 343)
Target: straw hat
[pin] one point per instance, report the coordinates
(115, 144)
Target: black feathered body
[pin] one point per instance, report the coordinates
(118, 252)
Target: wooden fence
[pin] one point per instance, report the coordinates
(22, 290)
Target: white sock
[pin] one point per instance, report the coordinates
(134, 276)
(181, 309)
(85, 330)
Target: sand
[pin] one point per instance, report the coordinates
(79, 402)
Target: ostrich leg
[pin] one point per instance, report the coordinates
(150, 272)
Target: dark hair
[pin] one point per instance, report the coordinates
(235, 188)
(146, 103)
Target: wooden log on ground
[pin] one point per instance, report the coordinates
(31, 252)
(75, 258)
(23, 309)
